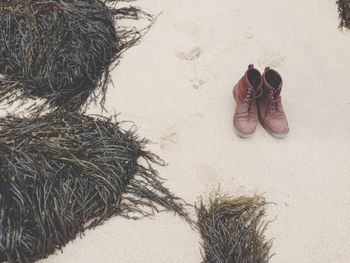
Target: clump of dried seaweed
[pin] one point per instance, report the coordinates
(344, 13)
(232, 230)
(63, 173)
(62, 50)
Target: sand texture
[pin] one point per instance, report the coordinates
(177, 87)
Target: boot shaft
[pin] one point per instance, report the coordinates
(270, 102)
(271, 112)
(246, 91)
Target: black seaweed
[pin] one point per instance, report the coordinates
(63, 173)
(232, 230)
(344, 13)
(62, 50)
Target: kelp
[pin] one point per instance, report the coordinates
(233, 230)
(62, 51)
(63, 173)
(2, 213)
(344, 13)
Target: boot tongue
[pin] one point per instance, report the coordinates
(274, 87)
(273, 81)
(277, 91)
(256, 90)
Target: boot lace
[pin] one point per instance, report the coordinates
(250, 97)
(275, 99)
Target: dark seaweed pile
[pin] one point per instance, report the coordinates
(344, 13)
(233, 231)
(61, 50)
(63, 173)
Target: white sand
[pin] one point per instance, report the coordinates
(176, 85)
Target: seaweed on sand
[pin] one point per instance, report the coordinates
(62, 51)
(63, 173)
(344, 13)
(232, 230)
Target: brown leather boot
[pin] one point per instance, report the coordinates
(271, 113)
(245, 93)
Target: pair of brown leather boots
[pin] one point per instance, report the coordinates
(258, 97)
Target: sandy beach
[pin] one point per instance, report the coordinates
(176, 86)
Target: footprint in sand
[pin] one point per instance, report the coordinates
(190, 55)
(271, 59)
(197, 83)
(248, 34)
(169, 139)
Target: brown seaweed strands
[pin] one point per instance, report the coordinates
(344, 13)
(232, 230)
(62, 50)
(63, 173)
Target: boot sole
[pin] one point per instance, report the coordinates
(274, 134)
(243, 135)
